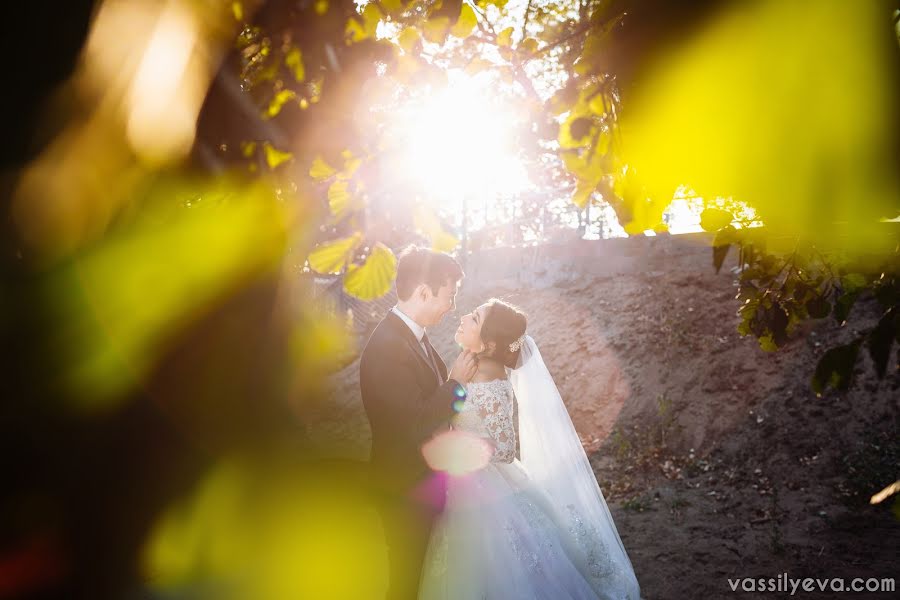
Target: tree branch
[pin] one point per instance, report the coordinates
(580, 30)
(525, 24)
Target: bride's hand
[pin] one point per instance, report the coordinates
(465, 367)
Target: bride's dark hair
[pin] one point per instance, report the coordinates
(503, 324)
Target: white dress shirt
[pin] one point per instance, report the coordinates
(417, 329)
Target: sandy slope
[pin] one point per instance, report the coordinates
(721, 462)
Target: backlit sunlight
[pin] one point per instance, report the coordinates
(458, 142)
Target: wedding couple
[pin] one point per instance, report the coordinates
(486, 489)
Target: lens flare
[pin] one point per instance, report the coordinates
(457, 452)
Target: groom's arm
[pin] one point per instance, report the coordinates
(394, 388)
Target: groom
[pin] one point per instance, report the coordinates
(408, 397)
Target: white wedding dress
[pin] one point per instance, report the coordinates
(506, 534)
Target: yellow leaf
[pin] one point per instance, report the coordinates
(575, 164)
(278, 101)
(529, 45)
(427, 222)
(569, 138)
(583, 191)
(330, 258)
(320, 169)
(341, 201)
(582, 66)
(408, 38)
(248, 148)
(351, 164)
(504, 38)
(598, 104)
(338, 197)
(444, 242)
(294, 61)
(275, 157)
(477, 65)
(436, 30)
(507, 75)
(374, 278)
(392, 6)
(358, 31)
(466, 23)
(354, 31)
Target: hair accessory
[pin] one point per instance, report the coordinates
(517, 344)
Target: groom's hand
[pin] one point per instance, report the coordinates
(465, 367)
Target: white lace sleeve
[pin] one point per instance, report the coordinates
(493, 402)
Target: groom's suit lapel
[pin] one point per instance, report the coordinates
(410, 338)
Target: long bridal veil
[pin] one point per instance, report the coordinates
(554, 458)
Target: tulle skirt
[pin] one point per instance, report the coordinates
(500, 537)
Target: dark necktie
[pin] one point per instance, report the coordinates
(430, 352)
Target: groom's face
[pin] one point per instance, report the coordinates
(441, 303)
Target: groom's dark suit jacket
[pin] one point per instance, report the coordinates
(404, 401)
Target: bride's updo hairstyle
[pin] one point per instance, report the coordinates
(503, 325)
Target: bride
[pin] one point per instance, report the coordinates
(536, 527)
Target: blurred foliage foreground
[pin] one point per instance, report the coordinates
(159, 354)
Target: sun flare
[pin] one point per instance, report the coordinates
(459, 142)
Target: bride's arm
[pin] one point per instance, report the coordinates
(496, 414)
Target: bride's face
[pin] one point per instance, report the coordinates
(469, 333)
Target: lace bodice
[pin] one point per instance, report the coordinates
(488, 413)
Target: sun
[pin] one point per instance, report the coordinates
(458, 142)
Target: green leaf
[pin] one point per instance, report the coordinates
(853, 282)
(721, 244)
(767, 343)
(374, 278)
(818, 308)
(842, 306)
(714, 219)
(332, 257)
(835, 368)
(748, 291)
(881, 339)
(777, 319)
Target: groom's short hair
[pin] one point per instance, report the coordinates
(420, 265)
